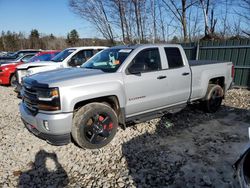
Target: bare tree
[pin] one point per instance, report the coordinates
(138, 10)
(208, 8)
(194, 24)
(124, 10)
(94, 11)
(179, 10)
(243, 12)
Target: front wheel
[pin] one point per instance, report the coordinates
(213, 98)
(94, 125)
(13, 80)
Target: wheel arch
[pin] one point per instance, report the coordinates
(218, 81)
(112, 101)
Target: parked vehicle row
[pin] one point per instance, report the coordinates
(8, 68)
(70, 57)
(18, 54)
(118, 85)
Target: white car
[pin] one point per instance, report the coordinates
(70, 57)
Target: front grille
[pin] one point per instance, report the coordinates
(30, 99)
(17, 77)
(21, 74)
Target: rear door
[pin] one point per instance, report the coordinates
(178, 82)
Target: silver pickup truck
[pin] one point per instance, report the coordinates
(119, 85)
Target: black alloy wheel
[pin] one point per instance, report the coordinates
(94, 125)
(98, 128)
(213, 98)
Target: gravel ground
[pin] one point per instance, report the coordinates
(187, 149)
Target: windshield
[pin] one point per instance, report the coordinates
(108, 60)
(62, 55)
(43, 57)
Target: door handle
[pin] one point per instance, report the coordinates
(161, 77)
(185, 73)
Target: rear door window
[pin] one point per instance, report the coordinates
(174, 58)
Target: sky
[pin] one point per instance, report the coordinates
(47, 16)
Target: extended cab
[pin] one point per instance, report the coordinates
(70, 57)
(118, 85)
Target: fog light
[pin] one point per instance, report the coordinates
(249, 133)
(46, 125)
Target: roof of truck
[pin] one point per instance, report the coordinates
(48, 52)
(88, 47)
(134, 46)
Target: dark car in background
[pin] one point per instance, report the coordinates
(24, 59)
(18, 54)
(242, 168)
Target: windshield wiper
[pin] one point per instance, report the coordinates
(88, 67)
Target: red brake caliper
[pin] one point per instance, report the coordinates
(101, 118)
(109, 127)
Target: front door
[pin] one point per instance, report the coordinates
(143, 82)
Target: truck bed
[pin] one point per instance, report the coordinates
(203, 62)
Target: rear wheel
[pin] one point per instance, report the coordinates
(213, 98)
(13, 80)
(94, 125)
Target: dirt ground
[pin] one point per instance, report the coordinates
(197, 150)
(187, 149)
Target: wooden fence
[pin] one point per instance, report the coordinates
(237, 51)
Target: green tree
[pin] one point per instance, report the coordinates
(10, 40)
(175, 40)
(52, 36)
(34, 34)
(72, 37)
(34, 38)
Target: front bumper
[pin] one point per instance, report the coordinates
(18, 89)
(59, 125)
(4, 78)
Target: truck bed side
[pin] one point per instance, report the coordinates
(205, 71)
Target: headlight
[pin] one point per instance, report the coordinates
(29, 72)
(48, 94)
(48, 99)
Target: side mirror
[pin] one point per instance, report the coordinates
(72, 63)
(131, 70)
(24, 60)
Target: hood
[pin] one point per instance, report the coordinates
(36, 64)
(6, 58)
(9, 63)
(66, 74)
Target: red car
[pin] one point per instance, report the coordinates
(7, 71)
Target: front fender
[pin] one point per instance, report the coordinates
(73, 95)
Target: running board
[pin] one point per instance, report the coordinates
(155, 114)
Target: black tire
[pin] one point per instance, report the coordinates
(213, 98)
(94, 125)
(13, 80)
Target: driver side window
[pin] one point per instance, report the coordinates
(146, 61)
(80, 58)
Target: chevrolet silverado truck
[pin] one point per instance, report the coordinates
(70, 57)
(119, 85)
